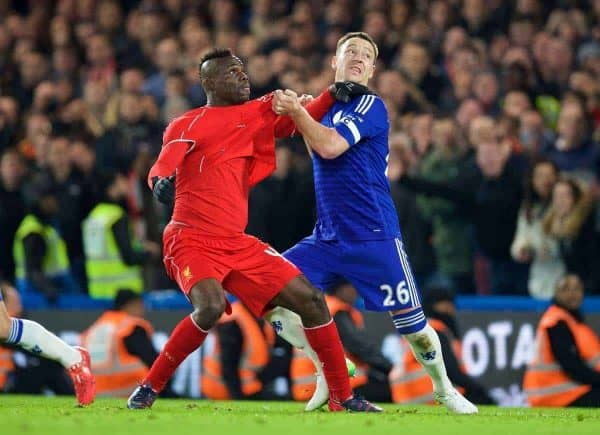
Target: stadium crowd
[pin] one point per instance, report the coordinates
(494, 107)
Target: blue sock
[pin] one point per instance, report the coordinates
(410, 322)
(16, 331)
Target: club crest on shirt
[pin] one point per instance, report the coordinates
(187, 274)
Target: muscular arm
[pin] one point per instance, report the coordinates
(565, 351)
(325, 141)
(316, 109)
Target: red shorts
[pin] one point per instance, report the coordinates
(246, 267)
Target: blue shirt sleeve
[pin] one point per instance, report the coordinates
(369, 118)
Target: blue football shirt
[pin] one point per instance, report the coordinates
(352, 191)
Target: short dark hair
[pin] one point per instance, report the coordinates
(123, 297)
(215, 53)
(361, 35)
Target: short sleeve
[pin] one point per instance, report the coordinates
(368, 119)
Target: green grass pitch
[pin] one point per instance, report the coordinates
(50, 416)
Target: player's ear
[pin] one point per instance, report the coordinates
(372, 71)
(334, 63)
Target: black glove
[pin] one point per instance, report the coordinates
(163, 189)
(345, 91)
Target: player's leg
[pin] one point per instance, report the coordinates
(316, 261)
(263, 280)
(390, 286)
(322, 335)
(33, 337)
(197, 268)
(208, 299)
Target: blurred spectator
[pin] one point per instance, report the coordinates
(34, 145)
(415, 63)
(135, 130)
(489, 191)
(40, 253)
(75, 200)
(566, 367)
(574, 150)
(32, 70)
(9, 122)
(112, 259)
(119, 71)
(416, 229)
(166, 60)
(410, 383)
(532, 245)
(12, 211)
(242, 363)
(570, 220)
(451, 228)
(120, 345)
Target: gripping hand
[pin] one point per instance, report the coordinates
(345, 91)
(163, 189)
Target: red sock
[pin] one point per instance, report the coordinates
(185, 338)
(326, 342)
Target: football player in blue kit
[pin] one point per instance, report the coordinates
(357, 235)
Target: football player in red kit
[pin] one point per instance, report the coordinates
(217, 153)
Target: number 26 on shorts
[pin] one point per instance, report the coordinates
(401, 294)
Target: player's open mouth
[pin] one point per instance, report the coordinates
(356, 69)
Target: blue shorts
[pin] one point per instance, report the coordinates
(378, 269)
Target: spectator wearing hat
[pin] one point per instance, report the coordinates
(120, 345)
(410, 383)
(39, 252)
(112, 261)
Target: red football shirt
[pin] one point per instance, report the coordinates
(219, 153)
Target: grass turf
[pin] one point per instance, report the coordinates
(50, 416)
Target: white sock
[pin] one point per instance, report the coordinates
(426, 347)
(33, 337)
(288, 326)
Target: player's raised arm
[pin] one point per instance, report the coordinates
(317, 107)
(330, 142)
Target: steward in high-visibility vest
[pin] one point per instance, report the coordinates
(410, 383)
(565, 370)
(120, 346)
(52, 264)
(257, 341)
(366, 356)
(111, 261)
